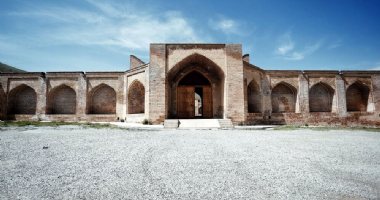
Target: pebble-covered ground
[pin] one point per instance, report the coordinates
(72, 162)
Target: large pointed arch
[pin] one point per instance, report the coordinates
(62, 100)
(208, 69)
(321, 98)
(22, 100)
(136, 98)
(254, 97)
(102, 100)
(283, 98)
(357, 97)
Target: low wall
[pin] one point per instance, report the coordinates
(316, 118)
(135, 118)
(68, 118)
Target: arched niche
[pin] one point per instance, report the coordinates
(357, 97)
(22, 100)
(321, 98)
(283, 98)
(136, 98)
(254, 98)
(62, 100)
(102, 100)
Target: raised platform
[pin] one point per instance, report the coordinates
(198, 123)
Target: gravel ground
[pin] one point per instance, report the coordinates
(84, 163)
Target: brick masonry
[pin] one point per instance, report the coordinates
(241, 91)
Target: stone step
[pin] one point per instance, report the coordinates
(171, 123)
(225, 123)
(199, 123)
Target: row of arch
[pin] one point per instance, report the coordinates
(63, 100)
(284, 97)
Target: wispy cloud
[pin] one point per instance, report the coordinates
(287, 48)
(60, 15)
(110, 24)
(335, 44)
(286, 45)
(226, 25)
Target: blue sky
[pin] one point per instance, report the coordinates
(94, 35)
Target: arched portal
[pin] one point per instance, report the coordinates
(102, 100)
(136, 98)
(195, 77)
(62, 100)
(283, 98)
(22, 100)
(357, 97)
(254, 97)
(321, 98)
(194, 96)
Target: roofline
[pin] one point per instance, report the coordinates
(193, 43)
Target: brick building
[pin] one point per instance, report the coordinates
(195, 81)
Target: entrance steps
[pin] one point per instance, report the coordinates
(225, 123)
(198, 123)
(171, 123)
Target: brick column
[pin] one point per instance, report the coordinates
(303, 95)
(234, 83)
(376, 92)
(245, 96)
(266, 107)
(341, 96)
(120, 97)
(156, 108)
(81, 96)
(41, 98)
(3, 98)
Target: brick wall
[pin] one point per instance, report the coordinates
(320, 98)
(357, 97)
(376, 92)
(135, 62)
(3, 101)
(234, 84)
(136, 98)
(103, 100)
(22, 100)
(283, 98)
(234, 98)
(254, 98)
(157, 87)
(62, 100)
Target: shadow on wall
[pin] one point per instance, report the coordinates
(101, 100)
(136, 98)
(22, 100)
(61, 100)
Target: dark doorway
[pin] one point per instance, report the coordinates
(194, 97)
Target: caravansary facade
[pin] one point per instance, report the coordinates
(184, 81)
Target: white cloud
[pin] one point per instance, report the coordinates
(227, 26)
(109, 24)
(286, 45)
(286, 48)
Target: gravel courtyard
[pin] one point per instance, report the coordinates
(87, 163)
